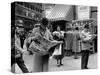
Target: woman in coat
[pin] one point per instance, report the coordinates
(76, 43)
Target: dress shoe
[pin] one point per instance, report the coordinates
(58, 65)
(86, 68)
(61, 64)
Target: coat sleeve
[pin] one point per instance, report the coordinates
(50, 36)
(35, 33)
(25, 45)
(17, 45)
(85, 38)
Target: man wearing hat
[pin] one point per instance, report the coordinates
(86, 40)
(17, 55)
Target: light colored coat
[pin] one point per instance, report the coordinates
(18, 49)
(85, 36)
(18, 44)
(68, 40)
(76, 42)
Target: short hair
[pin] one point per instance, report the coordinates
(44, 21)
(76, 28)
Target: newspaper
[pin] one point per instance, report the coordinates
(89, 37)
(41, 45)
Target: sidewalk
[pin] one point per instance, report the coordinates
(69, 63)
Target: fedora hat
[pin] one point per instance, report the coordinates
(19, 23)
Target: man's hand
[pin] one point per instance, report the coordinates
(23, 50)
(18, 55)
(60, 41)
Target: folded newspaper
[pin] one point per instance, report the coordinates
(41, 45)
(90, 38)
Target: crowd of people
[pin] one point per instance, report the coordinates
(70, 41)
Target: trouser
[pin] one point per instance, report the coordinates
(40, 63)
(20, 63)
(84, 59)
(95, 44)
(68, 52)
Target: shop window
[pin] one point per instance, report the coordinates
(36, 9)
(33, 8)
(30, 6)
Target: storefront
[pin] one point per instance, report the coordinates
(87, 15)
(28, 12)
(92, 28)
(60, 15)
(81, 23)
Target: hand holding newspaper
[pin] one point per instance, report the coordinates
(92, 37)
(41, 45)
(89, 38)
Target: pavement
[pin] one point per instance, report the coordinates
(69, 63)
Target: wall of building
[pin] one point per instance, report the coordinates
(94, 12)
(30, 13)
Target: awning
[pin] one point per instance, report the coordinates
(61, 12)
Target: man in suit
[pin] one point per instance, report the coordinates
(17, 49)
